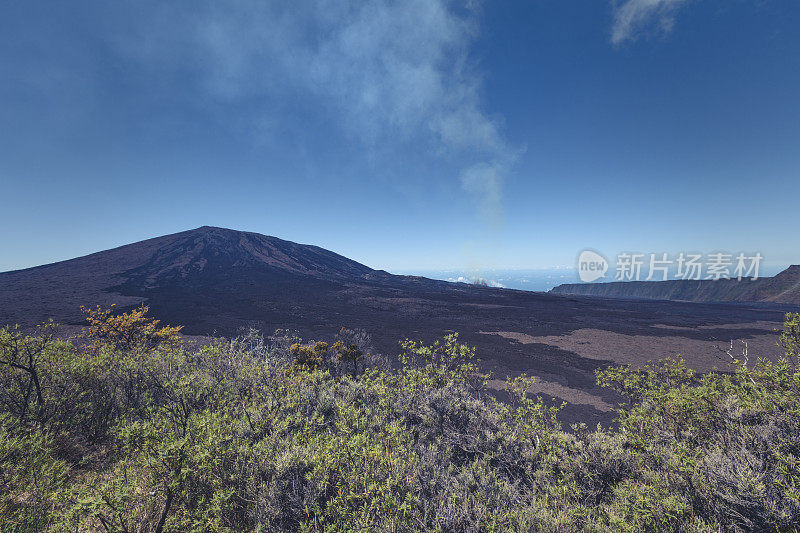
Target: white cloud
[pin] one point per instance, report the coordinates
(477, 281)
(631, 17)
(391, 72)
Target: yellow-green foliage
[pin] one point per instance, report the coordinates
(128, 429)
(309, 357)
(127, 330)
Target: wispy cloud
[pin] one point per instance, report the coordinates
(485, 181)
(632, 17)
(392, 72)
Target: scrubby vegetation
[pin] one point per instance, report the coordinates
(127, 428)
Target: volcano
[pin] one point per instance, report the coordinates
(216, 281)
(209, 279)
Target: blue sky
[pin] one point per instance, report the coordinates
(407, 135)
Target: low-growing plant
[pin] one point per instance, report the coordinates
(128, 428)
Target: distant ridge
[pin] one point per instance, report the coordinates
(782, 288)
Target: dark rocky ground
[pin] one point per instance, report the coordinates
(215, 281)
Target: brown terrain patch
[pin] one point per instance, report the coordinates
(705, 353)
(550, 390)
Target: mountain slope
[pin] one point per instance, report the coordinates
(190, 259)
(782, 288)
(215, 280)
